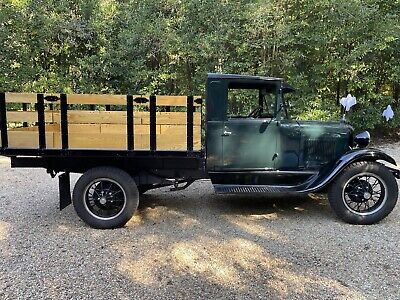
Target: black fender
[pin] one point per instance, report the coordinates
(326, 175)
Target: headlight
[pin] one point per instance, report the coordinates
(362, 139)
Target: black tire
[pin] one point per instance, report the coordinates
(354, 188)
(109, 206)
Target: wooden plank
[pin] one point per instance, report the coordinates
(121, 128)
(103, 128)
(27, 116)
(173, 100)
(103, 99)
(175, 142)
(23, 139)
(30, 128)
(112, 136)
(86, 128)
(50, 140)
(21, 98)
(93, 117)
(79, 140)
(97, 141)
(101, 141)
(27, 139)
(119, 117)
(26, 97)
(178, 130)
(172, 118)
(100, 99)
(171, 142)
(118, 141)
(22, 116)
(49, 127)
(171, 129)
(57, 140)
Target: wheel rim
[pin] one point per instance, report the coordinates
(104, 198)
(364, 194)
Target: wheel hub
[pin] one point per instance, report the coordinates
(367, 195)
(103, 200)
(362, 192)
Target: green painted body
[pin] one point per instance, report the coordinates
(257, 144)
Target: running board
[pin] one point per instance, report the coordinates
(251, 189)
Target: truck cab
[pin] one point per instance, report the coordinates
(252, 142)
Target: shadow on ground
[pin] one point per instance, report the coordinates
(187, 244)
(222, 247)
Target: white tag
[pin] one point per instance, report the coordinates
(388, 113)
(348, 102)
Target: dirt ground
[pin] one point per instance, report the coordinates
(191, 244)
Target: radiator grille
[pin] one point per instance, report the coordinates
(319, 151)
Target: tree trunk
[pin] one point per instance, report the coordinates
(338, 92)
(396, 94)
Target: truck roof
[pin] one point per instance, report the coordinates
(251, 79)
(242, 77)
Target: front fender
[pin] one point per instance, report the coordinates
(327, 174)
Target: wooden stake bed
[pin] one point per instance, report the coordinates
(100, 129)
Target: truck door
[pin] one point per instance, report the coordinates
(250, 131)
(249, 144)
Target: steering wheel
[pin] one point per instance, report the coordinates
(255, 112)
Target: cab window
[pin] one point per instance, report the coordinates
(251, 103)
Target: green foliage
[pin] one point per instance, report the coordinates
(325, 48)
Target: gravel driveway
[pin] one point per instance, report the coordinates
(191, 244)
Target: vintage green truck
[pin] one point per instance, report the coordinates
(251, 148)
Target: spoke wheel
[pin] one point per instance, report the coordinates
(105, 198)
(365, 193)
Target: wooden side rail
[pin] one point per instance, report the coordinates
(103, 117)
(105, 129)
(102, 99)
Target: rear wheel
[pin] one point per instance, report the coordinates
(105, 197)
(364, 193)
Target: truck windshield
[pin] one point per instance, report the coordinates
(251, 103)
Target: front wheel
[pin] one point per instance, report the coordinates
(105, 197)
(364, 193)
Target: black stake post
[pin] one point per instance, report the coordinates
(129, 122)
(64, 121)
(25, 108)
(189, 130)
(153, 121)
(41, 121)
(3, 121)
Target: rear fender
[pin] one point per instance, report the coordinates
(328, 174)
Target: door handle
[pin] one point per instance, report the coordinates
(226, 133)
